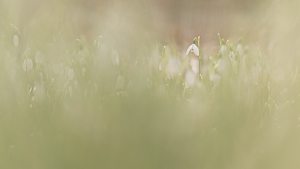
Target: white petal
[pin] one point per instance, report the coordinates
(231, 55)
(189, 49)
(195, 49)
(224, 51)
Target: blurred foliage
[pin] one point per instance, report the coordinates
(91, 85)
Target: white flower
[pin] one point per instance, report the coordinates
(222, 66)
(27, 65)
(16, 40)
(192, 48)
(231, 55)
(224, 51)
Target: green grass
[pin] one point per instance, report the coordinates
(122, 99)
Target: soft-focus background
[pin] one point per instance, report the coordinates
(89, 84)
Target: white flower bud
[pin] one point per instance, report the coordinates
(192, 48)
(224, 51)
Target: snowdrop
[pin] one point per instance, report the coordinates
(70, 90)
(231, 55)
(222, 66)
(27, 65)
(192, 48)
(233, 61)
(224, 51)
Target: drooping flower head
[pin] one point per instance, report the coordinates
(193, 48)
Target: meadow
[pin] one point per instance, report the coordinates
(85, 89)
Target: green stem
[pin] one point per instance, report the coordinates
(200, 77)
